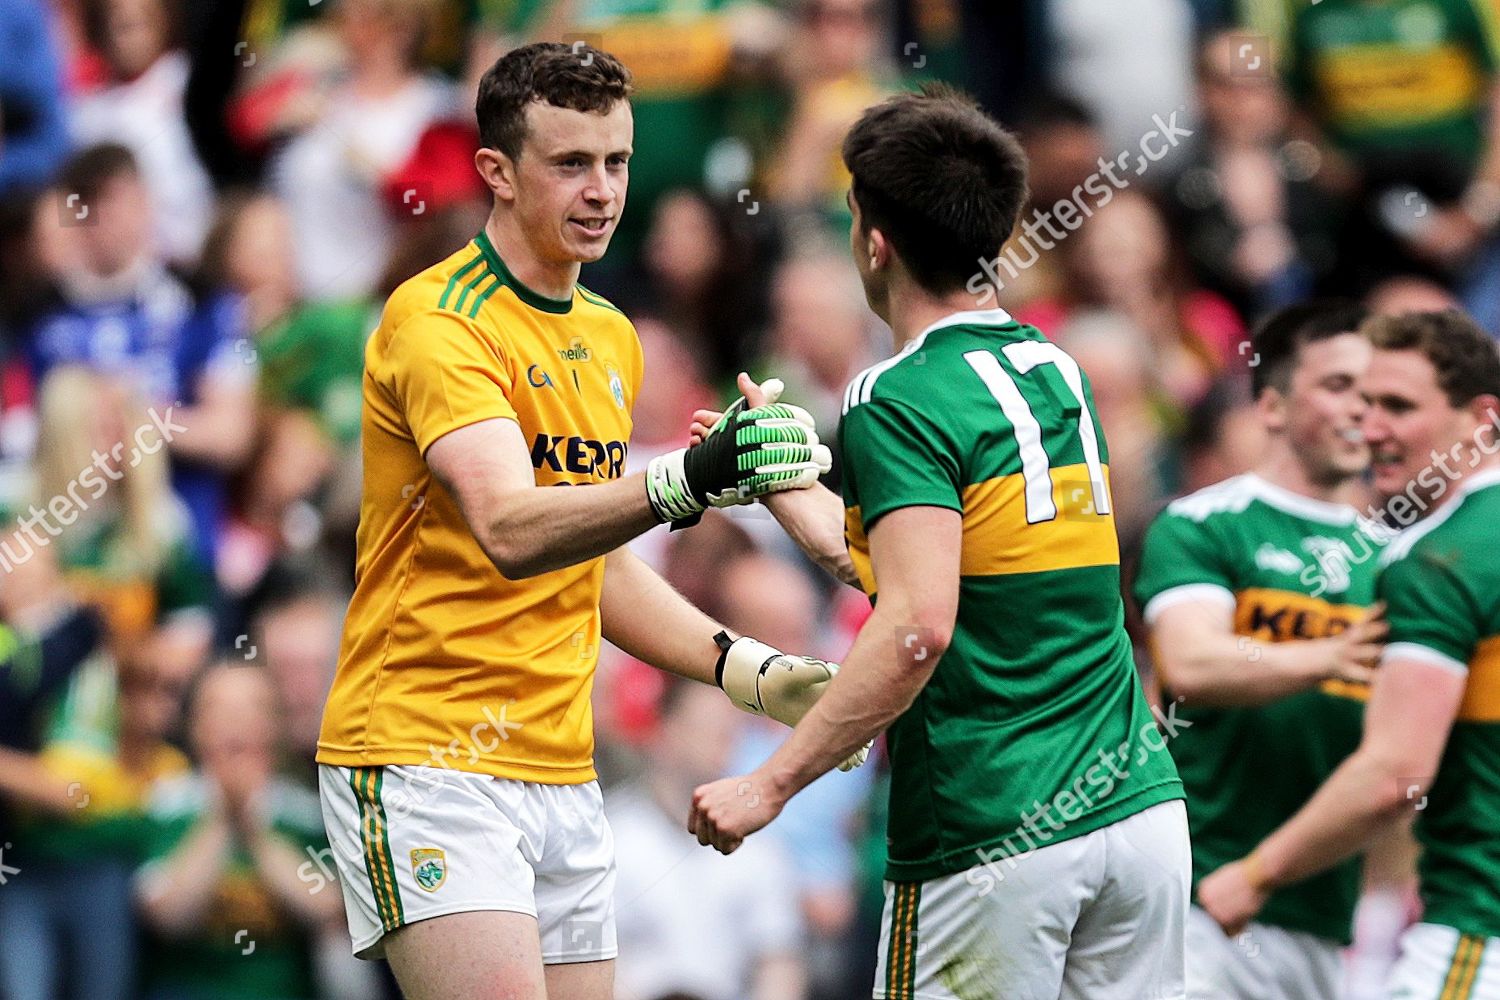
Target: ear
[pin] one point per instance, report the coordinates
(498, 171)
(1271, 406)
(878, 250)
(1485, 411)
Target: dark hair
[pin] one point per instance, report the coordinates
(94, 166)
(1464, 356)
(1281, 335)
(578, 77)
(940, 178)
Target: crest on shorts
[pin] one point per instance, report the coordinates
(430, 867)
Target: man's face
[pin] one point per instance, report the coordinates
(570, 180)
(1408, 419)
(1324, 405)
(122, 225)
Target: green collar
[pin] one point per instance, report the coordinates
(533, 299)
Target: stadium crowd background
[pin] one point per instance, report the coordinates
(203, 206)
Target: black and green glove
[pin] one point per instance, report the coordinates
(746, 455)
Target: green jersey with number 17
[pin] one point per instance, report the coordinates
(1287, 568)
(1033, 729)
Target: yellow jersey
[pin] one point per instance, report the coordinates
(444, 661)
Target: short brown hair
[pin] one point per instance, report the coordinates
(1465, 358)
(578, 77)
(940, 178)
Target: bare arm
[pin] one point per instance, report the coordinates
(1200, 657)
(1411, 712)
(814, 519)
(915, 557)
(26, 780)
(220, 426)
(527, 529)
(647, 618)
(174, 893)
(277, 863)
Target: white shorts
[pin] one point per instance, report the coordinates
(1439, 963)
(1262, 963)
(1100, 915)
(417, 842)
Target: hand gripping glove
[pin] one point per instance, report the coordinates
(762, 680)
(750, 452)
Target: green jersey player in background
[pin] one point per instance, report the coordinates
(1257, 592)
(1037, 839)
(1431, 738)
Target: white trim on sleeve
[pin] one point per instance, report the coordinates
(1423, 654)
(1170, 598)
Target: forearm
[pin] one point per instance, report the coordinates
(643, 615)
(1359, 800)
(25, 780)
(814, 519)
(879, 680)
(538, 529)
(277, 863)
(1226, 671)
(177, 891)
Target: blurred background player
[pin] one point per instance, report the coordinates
(978, 507)
(1432, 729)
(1257, 592)
(458, 737)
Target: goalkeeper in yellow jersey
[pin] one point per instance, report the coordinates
(456, 754)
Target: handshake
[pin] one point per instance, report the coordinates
(749, 452)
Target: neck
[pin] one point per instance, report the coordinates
(554, 280)
(909, 310)
(1459, 475)
(1282, 468)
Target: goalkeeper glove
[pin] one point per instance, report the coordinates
(762, 680)
(750, 452)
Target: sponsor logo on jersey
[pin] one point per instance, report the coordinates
(537, 378)
(429, 866)
(1268, 557)
(575, 351)
(1334, 557)
(584, 456)
(616, 387)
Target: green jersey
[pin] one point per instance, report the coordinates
(1394, 75)
(1288, 568)
(246, 946)
(1441, 582)
(1032, 729)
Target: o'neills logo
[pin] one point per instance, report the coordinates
(575, 351)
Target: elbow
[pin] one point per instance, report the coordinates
(924, 641)
(514, 559)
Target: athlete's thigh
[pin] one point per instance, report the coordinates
(1129, 939)
(484, 955)
(1001, 931)
(581, 980)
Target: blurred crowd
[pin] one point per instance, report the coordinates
(203, 206)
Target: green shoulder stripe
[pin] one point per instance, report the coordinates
(477, 261)
(599, 300)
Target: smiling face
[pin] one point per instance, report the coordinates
(567, 186)
(1321, 411)
(1408, 420)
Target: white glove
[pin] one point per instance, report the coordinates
(763, 680)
